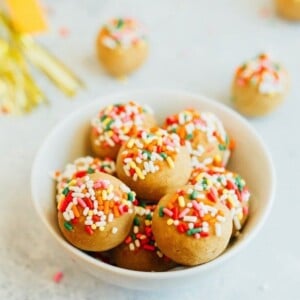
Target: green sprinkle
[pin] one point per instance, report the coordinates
(193, 231)
(189, 136)
(277, 67)
(227, 140)
(149, 217)
(133, 236)
(222, 147)
(142, 204)
(160, 211)
(147, 153)
(173, 130)
(239, 183)
(130, 196)
(106, 166)
(66, 191)
(103, 118)
(120, 23)
(194, 195)
(163, 155)
(109, 124)
(136, 221)
(68, 226)
(204, 183)
(90, 170)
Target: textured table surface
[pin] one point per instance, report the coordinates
(195, 45)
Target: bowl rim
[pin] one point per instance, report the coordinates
(154, 275)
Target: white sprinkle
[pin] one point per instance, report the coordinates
(131, 247)
(114, 230)
(66, 216)
(137, 243)
(192, 219)
(236, 222)
(85, 211)
(135, 229)
(110, 217)
(218, 229)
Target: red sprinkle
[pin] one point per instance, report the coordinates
(89, 203)
(149, 247)
(88, 229)
(212, 194)
(204, 234)
(58, 277)
(66, 202)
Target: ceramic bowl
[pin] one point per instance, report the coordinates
(68, 140)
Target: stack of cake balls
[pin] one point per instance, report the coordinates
(152, 198)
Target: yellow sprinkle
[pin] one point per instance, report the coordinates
(72, 182)
(170, 221)
(139, 173)
(104, 194)
(148, 222)
(181, 201)
(209, 183)
(217, 159)
(199, 177)
(231, 201)
(101, 228)
(106, 121)
(130, 143)
(159, 142)
(132, 164)
(93, 226)
(240, 216)
(90, 213)
(170, 162)
(109, 133)
(110, 188)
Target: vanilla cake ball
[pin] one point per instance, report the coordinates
(122, 46)
(259, 86)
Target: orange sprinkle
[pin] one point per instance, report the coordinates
(116, 211)
(75, 211)
(106, 207)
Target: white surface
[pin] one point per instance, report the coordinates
(68, 141)
(195, 45)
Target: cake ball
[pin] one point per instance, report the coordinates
(115, 124)
(153, 163)
(122, 46)
(203, 134)
(190, 228)
(139, 250)
(288, 9)
(227, 187)
(95, 212)
(259, 86)
(81, 167)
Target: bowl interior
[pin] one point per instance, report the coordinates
(69, 141)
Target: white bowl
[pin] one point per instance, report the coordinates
(68, 140)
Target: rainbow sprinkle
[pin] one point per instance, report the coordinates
(147, 153)
(191, 125)
(99, 202)
(81, 167)
(116, 123)
(123, 32)
(262, 73)
(226, 187)
(193, 214)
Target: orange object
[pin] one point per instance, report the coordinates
(27, 16)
